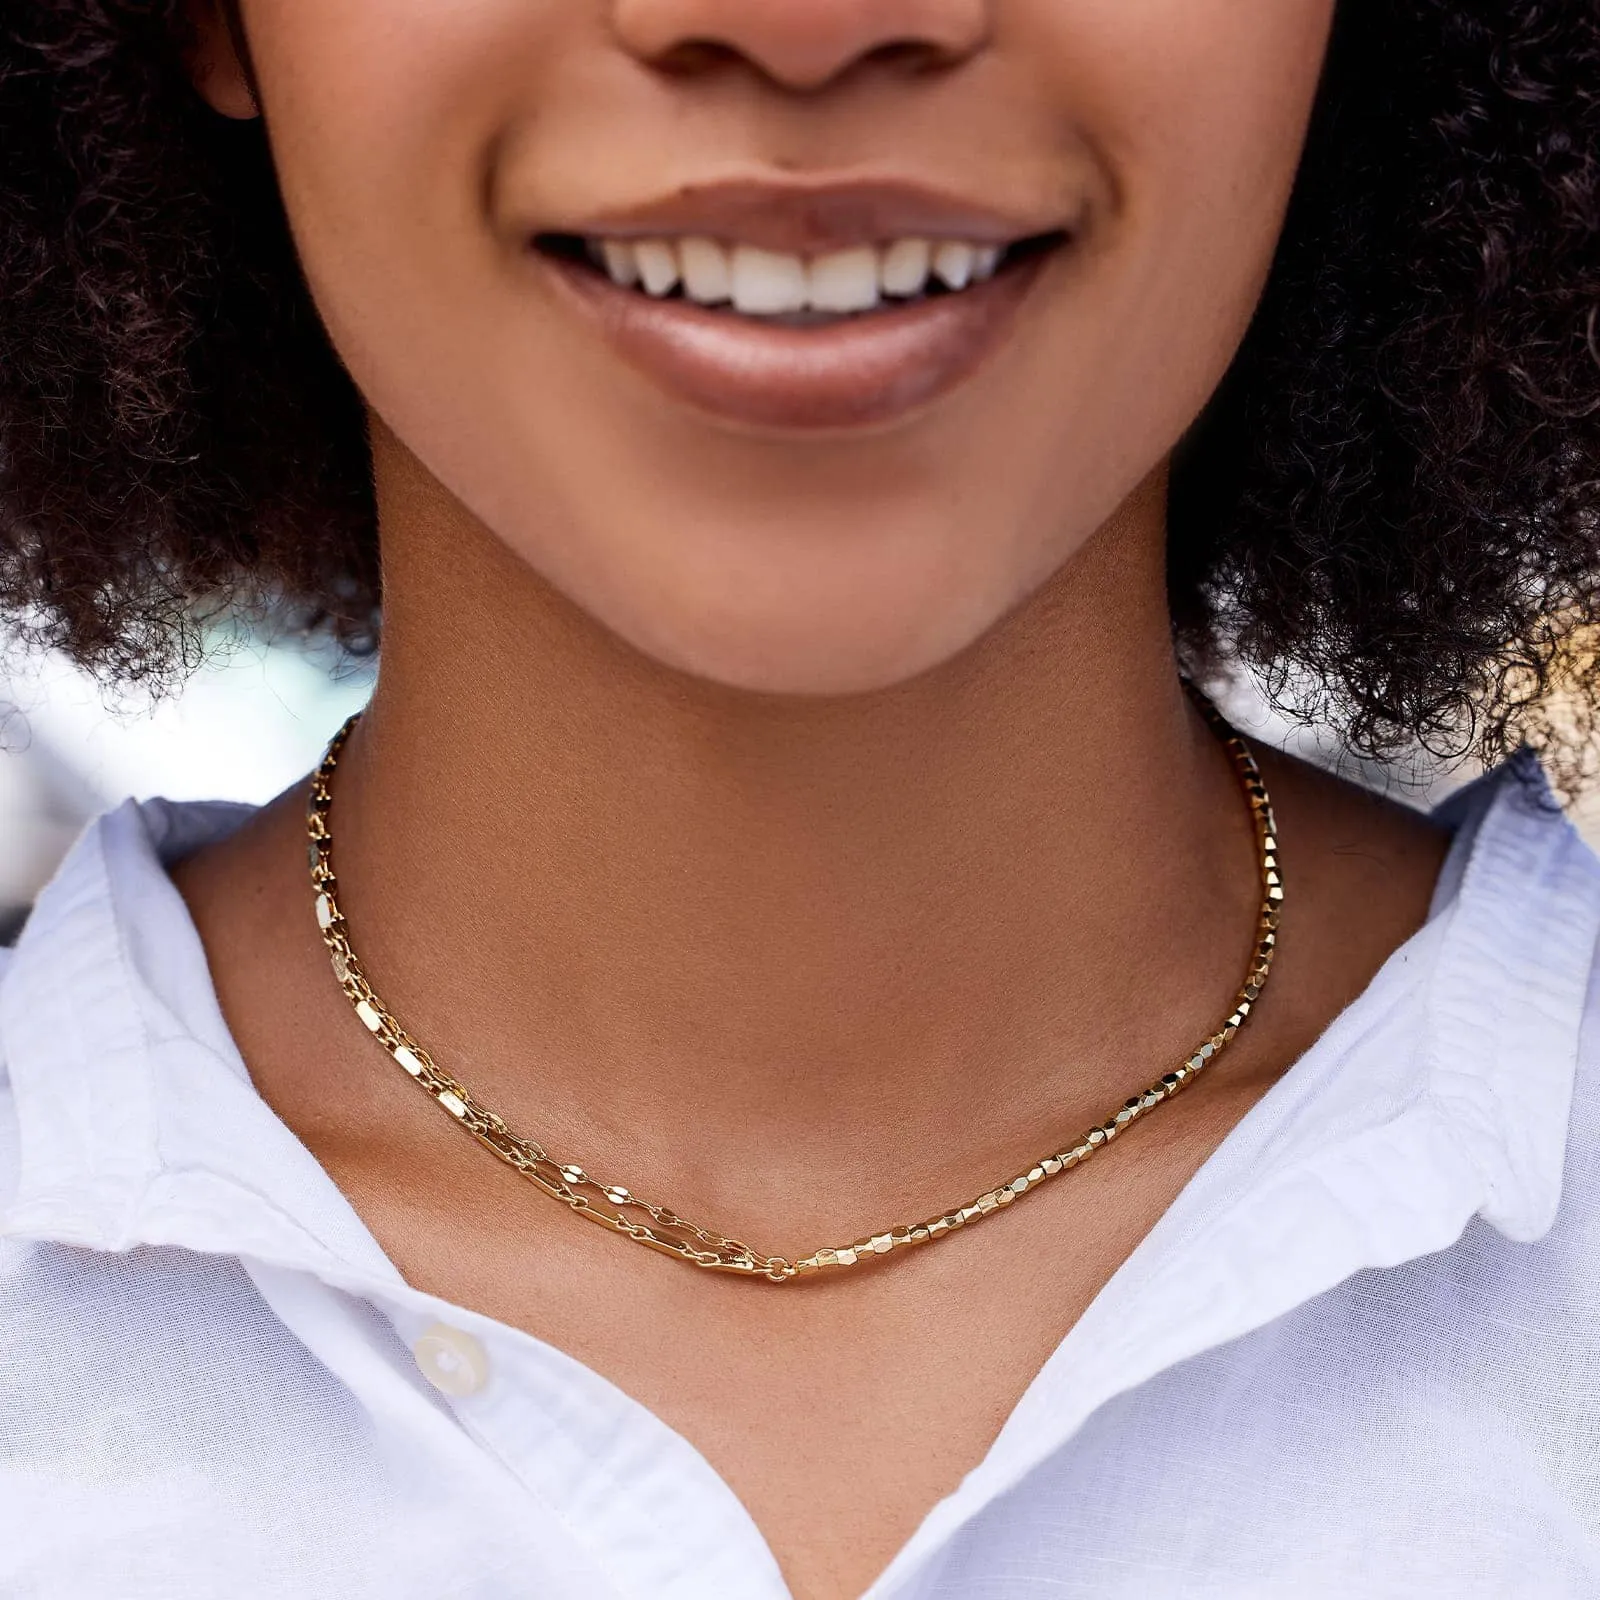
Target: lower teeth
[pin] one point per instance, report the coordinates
(799, 319)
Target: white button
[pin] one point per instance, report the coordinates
(452, 1361)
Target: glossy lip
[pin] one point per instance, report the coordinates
(812, 218)
(870, 368)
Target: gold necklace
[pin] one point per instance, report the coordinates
(660, 1229)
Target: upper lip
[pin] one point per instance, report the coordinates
(811, 218)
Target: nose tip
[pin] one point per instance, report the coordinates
(801, 45)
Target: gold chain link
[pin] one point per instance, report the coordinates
(655, 1226)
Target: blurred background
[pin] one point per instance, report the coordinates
(255, 718)
(249, 722)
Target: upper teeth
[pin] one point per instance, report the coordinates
(769, 282)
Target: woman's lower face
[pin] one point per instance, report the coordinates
(796, 341)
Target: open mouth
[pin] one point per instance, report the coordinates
(788, 290)
(855, 335)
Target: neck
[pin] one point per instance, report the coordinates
(650, 919)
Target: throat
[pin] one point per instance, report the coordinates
(741, 996)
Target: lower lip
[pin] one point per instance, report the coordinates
(862, 370)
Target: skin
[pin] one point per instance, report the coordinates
(804, 831)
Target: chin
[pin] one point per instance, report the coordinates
(803, 644)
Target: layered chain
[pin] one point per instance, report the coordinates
(624, 1212)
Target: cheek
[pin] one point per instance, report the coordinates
(1202, 106)
(383, 116)
(1198, 110)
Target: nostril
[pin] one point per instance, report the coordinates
(800, 45)
(911, 56)
(701, 57)
(694, 58)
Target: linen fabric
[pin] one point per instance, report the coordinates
(1356, 1358)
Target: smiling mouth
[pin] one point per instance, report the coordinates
(780, 289)
(852, 336)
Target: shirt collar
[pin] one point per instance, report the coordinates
(1441, 1093)
(136, 1119)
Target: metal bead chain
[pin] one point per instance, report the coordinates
(624, 1212)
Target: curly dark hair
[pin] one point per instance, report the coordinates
(1389, 508)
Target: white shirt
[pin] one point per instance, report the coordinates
(1358, 1357)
